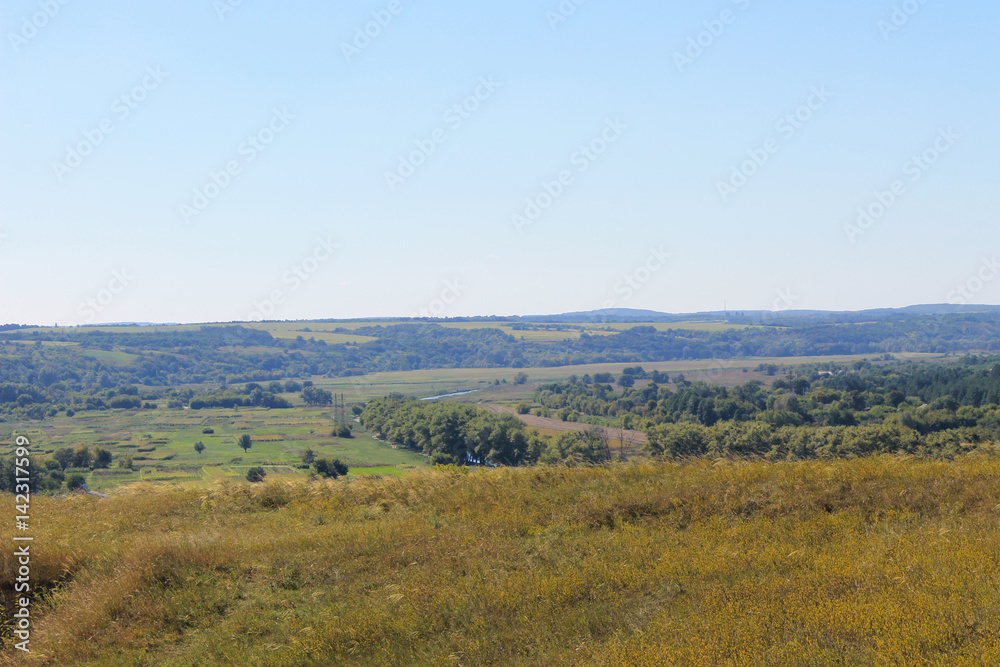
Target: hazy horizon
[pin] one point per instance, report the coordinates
(525, 316)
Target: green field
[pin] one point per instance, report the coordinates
(161, 444)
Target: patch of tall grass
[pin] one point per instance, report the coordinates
(883, 560)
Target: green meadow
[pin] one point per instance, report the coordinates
(161, 443)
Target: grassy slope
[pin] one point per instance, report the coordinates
(876, 561)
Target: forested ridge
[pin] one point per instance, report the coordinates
(40, 369)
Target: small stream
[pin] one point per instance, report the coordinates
(456, 393)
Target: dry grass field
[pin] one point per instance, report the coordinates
(883, 561)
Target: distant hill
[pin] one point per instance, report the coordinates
(623, 315)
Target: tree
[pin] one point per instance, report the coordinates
(102, 458)
(256, 474)
(199, 446)
(75, 481)
(626, 381)
(330, 468)
(342, 431)
(308, 456)
(624, 436)
(82, 457)
(64, 456)
(520, 377)
(245, 441)
(316, 396)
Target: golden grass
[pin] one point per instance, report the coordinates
(887, 561)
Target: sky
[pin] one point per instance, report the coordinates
(226, 160)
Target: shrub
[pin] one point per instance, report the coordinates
(256, 474)
(75, 481)
(330, 468)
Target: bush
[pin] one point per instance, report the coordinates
(75, 481)
(330, 468)
(208, 430)
(342, 431)
(125, 402)
(256, 474)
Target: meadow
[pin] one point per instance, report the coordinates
(161, 444)
(877, 561)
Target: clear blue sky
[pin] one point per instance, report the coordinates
(330, 122)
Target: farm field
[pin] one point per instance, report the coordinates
(436, 381)
(877, 561)
(161, 444)
(326, 331)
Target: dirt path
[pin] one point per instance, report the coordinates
(637, 438)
